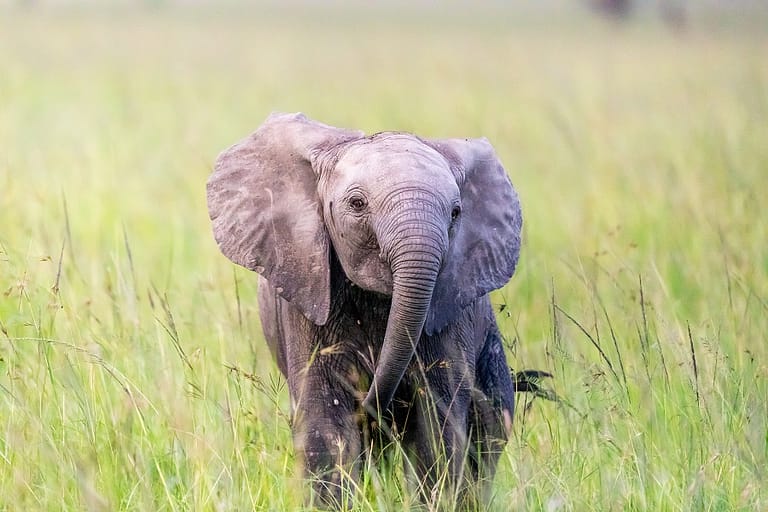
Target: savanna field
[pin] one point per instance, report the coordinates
(133, 372)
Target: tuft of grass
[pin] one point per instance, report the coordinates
(133, 373)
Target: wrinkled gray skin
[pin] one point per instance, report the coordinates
(377, 255)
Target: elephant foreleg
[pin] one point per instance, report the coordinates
(437, 431)
(327, 434)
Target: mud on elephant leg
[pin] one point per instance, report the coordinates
(327, 439)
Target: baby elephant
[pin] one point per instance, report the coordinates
(376, 255)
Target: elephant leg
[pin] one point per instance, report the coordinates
(488, 437)
(437, 431)
(490, 414)
(324, 401)
(327, 434)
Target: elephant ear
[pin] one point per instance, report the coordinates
(486, 243)
(266, 214)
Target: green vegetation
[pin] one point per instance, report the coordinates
(133, 374)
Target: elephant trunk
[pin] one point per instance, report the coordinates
(415, 261)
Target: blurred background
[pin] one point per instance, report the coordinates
(133, 100)
(132, 368)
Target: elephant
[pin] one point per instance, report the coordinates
(376, 255)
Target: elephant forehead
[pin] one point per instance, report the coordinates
(394, 153)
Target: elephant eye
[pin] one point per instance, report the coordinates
(357, 203)
(455, 212)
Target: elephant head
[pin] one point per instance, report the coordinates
(435, 224)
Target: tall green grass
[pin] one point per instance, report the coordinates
(133, 373)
